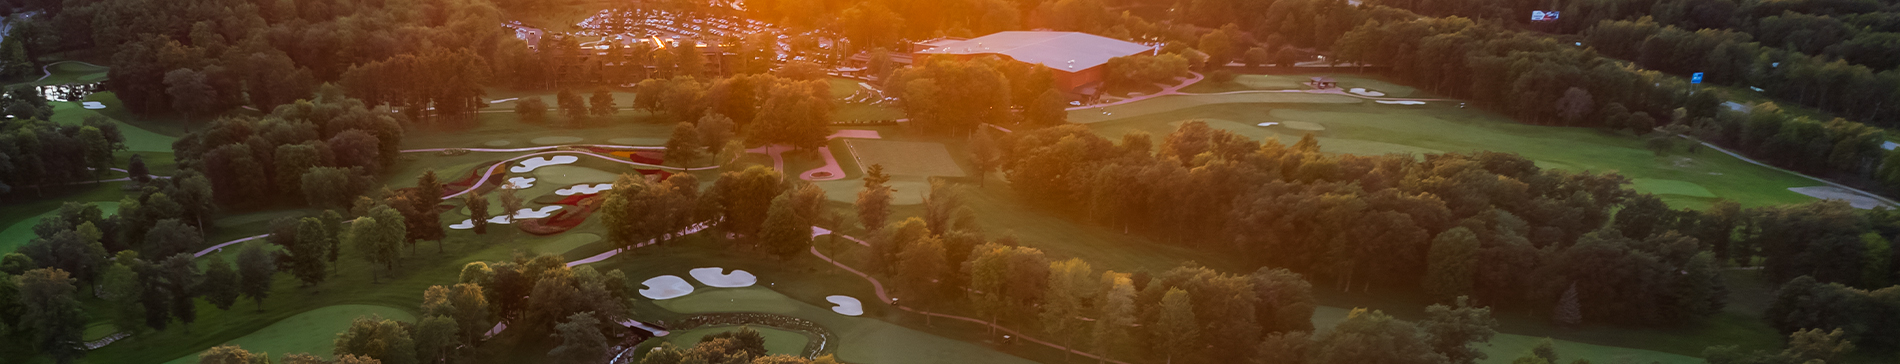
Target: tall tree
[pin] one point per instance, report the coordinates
(311, 251)
(785, 233)
(53, 314)
(256, 268)
(435, 338)
(1115, 314)
(601, 104)
(1450, 263)
(1175, 328)
(1072, 284)
(220, 283)
(874, 202)
(377, 338)
(714, 131)
(532, 110)
(1452, 332)
(477, 211)
(581, 340)
(684, 146)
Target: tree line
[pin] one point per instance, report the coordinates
(37, 153)
(201, 57)
(948, 96)
(327, 150)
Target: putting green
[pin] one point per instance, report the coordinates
(916, 159)
(566, 242)
(309, 332)
(1670, 187)
(860, 340)
(563, 176)
(776, 341)
(551, 140)
(18, 234)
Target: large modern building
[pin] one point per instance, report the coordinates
(1076, 58)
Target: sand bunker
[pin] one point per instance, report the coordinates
(666, 287)
(464, 225)
(529, 213)
(1859, 201)
(846, 305)
(1303, 125)
(92, 105)
(1364, 92)
(859, 134)
(712, 277)
(584, 189)
(555, 140)
(1400, 102)
(521, 182)
(1270, 123)
(498, 220)
(531, 164)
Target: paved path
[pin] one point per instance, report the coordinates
(1165, 90)
(776, 151)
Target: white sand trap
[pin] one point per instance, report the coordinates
(1364, 92)
(1400, 102)
(504, 100)
(464, 225)
(1858, 200)
(712, 277)
(584, 189)
(555, 140)
(531, 164)
(846, 305)
(666, 287)
(1270, 123)
(545, 211)
(92, 105)
(1303, 126)
(498, 220)
(521, 182)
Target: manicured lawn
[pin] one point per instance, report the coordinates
(504, 130)
(860, 340)
(776, 341)
(916, 159)
(137, 139)
(1298, 82)
(68, 72)
(309, 332)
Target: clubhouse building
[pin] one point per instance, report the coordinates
(1076, 58)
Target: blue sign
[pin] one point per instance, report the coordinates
(1695, 78)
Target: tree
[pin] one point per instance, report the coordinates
(120, 287)
(231, 354)
(471, 311)
(256, 266)
(1398, 341)
(714, 131)
(1285, 300)
(435, 337)
(1575, 105)
(1256, 57)
(923, 270)
(510, 203)
(532, 110)
(1176, 331)
(377, 338)
(785, 233)
(477, 211)
(572, 106)
(137, 170)
(370, 235)
(1450, 263)
(170, 237)
(221, 283)
(874, 202)
(182, 279)
(601, 104)
(190, 92)
(52, 313)
(310, 253)
(1115, 314)
(581, 340)
(744, 198)
(1452, 331)
(1072, 283)
(684, 146)
(1568, 312)
(328, 186)
(985, 154)
(1049, 109)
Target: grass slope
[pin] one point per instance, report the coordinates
(309, 332)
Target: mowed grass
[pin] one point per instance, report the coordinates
(776, 341)
(68, 72)
(137, 139)
(309, 332)
(860, 339)
(1346, 81)
(20, 232)
(1683, 179)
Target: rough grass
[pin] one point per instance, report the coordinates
(309, 332)
(20, 232)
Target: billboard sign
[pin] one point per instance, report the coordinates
(1542, 16)
(1695, 78)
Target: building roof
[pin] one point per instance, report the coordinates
(1062, 51)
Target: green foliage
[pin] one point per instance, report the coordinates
(784, 233)
(256, 268)
(52, 313)
(1450, 264)
(1455, 332)
(377, 338)
(220, 285)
